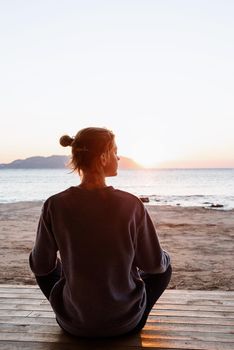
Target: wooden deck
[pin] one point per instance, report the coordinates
(181, 319)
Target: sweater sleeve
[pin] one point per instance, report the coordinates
(43, 257)
(150, 257)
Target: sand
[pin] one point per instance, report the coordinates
(200, 242)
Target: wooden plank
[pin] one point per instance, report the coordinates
(20, 290)
(23, 301)
(26, 289)
(185, 299)
(195, 301)
(185, 345)
(189, 327)
(27, 320)
(20, 304)
(63, 338)
(14, 345)
(158, 333)
(216, 308)
(192, 320)
(192, 313)
(158, 313)
(30, 328)
(182, 335)
(21, 313)
(182, 298)
(185, 296)
(46, 327)
(133, 341)
(30, 307)
(169, 293)
(162, 320)
(18, 286)
(34, 295)
(198, 292)
(49, 314)
(228, 304)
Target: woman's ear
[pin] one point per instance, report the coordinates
(103, 159)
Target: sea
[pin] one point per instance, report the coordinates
(209, 188)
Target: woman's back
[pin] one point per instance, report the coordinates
(104, 236)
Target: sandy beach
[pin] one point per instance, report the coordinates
(200, 242)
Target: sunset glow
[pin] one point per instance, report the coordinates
(151, 154)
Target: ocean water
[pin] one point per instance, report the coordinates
(184, 187)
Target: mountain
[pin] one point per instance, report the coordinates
(128, 163)
(37, 163)
(57, 162)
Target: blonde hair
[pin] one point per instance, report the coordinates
(87, 146)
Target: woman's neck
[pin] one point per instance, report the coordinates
(91, 181)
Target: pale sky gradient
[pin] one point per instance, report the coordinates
(159, 73)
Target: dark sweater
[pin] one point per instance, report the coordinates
(103, 236)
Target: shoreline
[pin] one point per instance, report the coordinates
(200, 243)
(149, 205)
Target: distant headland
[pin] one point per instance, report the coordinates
(58, 162)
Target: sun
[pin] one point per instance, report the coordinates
(145, 163)
(151, 151)
(150, 159)
(152, 154)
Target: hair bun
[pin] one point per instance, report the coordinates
(66, 140)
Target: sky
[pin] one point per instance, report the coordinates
(159, 73)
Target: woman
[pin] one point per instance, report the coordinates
(112, 268)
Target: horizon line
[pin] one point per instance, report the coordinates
(141, 166)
